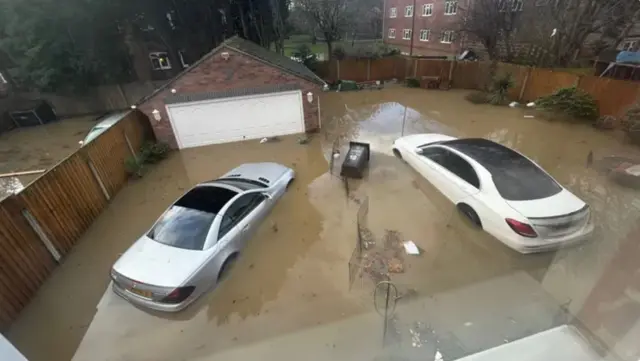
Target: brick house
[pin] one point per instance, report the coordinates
(238, 91)
(423, 27)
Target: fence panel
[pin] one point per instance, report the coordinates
(63, 203)
(544, 82)
(426, 67)
(464, 75)
(384, 69)
(518, 75)
(613, 96)
(354, 69)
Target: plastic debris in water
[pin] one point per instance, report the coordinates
(529, 116)
(513, 104)
(264, 140)
(531, 105)
(438, 356)
(411, 248)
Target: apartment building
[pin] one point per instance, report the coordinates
(423, 27)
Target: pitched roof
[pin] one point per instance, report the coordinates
(253, 50)
(273, 58)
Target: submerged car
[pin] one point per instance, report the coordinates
(101, 127)
(499, 190)
(193, 243)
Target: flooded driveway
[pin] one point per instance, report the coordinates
(296, 291)
(39, 147)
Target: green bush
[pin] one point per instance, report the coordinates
(571, 102)
(134, 167)
(631, 123)
(306, 56)
(478, 97)
(412, 83)
(151, 152)
(499, 89)
(339, 53)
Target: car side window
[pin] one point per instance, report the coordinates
(435, 154)
(240, 208)
(460, 167)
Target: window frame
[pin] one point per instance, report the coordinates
(181, 58)
(443, 36)
(404, 32)
(424, 9)
(393, 12)
(408, 11)
(391, 33)
(223, 229)
(155, 55)
(451, 7)
(425, 31)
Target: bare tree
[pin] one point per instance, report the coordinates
(568, 23)
(328, 16)
(492, 23)
(279, 30)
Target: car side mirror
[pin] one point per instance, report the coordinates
(419, 151)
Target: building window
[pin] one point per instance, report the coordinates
(182, 59)
(406, 34)
(408, 11)
(425, 34)
(450, 7)
(629, 45)
(393, 12)
(447, 37)
(159, 61)
(513, 5)
(392, 33)
(427, 9)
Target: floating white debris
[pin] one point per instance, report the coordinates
(467, 324)
(513, 104)
(264, 140)
(531, 104)
(438, 356)
(529, 116)
(411, 248)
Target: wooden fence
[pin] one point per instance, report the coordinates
(40, 224)
(613, 96)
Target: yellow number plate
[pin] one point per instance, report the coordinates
(146, 294)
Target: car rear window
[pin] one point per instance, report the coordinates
(523, 181)
(182, 228)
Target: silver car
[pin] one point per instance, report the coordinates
(190, 246)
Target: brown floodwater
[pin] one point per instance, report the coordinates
(290, 295)
(38, 148)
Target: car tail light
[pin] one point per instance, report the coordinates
(178, 295)
(522, 229)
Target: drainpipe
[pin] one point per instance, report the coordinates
(413, 24)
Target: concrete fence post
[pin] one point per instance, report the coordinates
(524, 84)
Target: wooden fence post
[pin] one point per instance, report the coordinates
(369, 69)
(451, 66)
(524, 84)
(338, 69)
(96, 176)
(415, 68)
(35, 225)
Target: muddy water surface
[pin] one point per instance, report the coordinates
(290, 295)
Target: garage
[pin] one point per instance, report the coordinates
(233, 119)
(239, 91)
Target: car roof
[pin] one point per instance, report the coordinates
(111, 119)
(487, 153)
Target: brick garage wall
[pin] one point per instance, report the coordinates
(216, 74)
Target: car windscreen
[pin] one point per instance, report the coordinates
(523, 181)
(242, 184)
(182, 228)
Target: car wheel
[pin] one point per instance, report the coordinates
(468, 212)
(397, 153)
(227, 266)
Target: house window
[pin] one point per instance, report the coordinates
(182, 61)
(392, 33)
(425, 34)
(393, 12)
(629, 45)
(447, 37)
(427, 9)
(406, 34)
(513, 5)
(408, 11)
(159, 61)
(450, 7)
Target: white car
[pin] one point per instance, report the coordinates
(499, 190)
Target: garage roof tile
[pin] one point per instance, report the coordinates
(194, 97)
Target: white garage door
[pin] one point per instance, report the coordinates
(238, 118)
